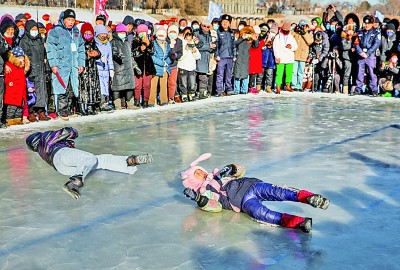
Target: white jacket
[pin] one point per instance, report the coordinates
(281, 52)
(188, 58)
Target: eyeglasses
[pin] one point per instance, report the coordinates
(206, 26)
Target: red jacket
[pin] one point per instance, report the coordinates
(16, 94)
(255, 62)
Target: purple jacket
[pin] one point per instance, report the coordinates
(52, 141)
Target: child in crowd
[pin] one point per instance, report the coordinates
(229, 189)
(15, 97)
(187, 68)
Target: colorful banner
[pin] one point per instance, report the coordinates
(100, 7)
(214, 11)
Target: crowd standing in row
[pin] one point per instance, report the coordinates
(59, 70)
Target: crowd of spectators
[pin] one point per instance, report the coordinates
(64, 68)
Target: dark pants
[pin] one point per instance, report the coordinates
(187, 81)
(369, 64)
(127, 94)
(267, 77)
(224, 74)
(13, 111)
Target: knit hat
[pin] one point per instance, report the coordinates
(173, 28)
(161, 30)
(101, 17)
(21, 17)
(257, 29)
(69, 13)
(100, 29)
(302, 23)
(390, 26)
(188, 179)
(40, 25)
(142, 28)
(206, 22)
(128, 20)
(121, 28)
(87, 27)
(318, 20)
(18, 51)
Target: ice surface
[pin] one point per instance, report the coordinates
(344, 148)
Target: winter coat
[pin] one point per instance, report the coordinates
(241, 66)
(16, 94)
(7, 22)
(205, 51)
(303, 44)
(161, 59)
(89, 83)
(176, 52)
(321, 50)
(368, 40)
(188, 59)
(255, 61)
(4, 48)
(143, 58)
(345, 48)
(268, 58)
(285, 55)
(226, 44)
(51, 142)
(123, 65)
(59, 54)
(34, 49)
(105, 50)
(388, 46)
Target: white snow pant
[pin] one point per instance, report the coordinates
(72, 161)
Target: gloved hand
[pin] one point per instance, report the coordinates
(315, 61)
(228, 170)
(112, 74)
(191, 194)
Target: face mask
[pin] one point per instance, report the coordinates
(141, 35)
(394, 60)
(172, 35)
(88, 36)
(121, 35)
(292, 28)
(149, 32)
(182, 27)
(43, 36)
(390, 33)
(216, 26)
(21, 31)
(196, 27)
(240, 27)
(285, 32)
(34, 33)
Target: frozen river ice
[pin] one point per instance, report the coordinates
(344, 148)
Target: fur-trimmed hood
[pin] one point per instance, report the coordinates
(247, 30)
(13, 60)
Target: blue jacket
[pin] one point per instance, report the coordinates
(226, 47)
(268, 58)
(105, 50)
(161, 59)
(59, 54)
(369, 41)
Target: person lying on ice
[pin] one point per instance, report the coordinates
(58, 149)
(228, 189)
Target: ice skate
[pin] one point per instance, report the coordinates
(306, 225)
(73, 185)
(319, 201)
(134, 160)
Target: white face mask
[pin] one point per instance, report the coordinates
(34, 33)
(240, 27)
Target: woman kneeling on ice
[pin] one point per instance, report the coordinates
(58, 149)
(228, 189)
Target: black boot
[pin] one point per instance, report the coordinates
(145, 104)
(74, 184)
(137, 103)
(82, 109)
(104, 107)
(91, 110)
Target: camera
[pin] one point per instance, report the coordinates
(329, 7)
(300, 30)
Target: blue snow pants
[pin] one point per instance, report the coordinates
(261, 191)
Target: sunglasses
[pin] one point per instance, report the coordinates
(206, 26)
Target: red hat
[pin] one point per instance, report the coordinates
(87, 27)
